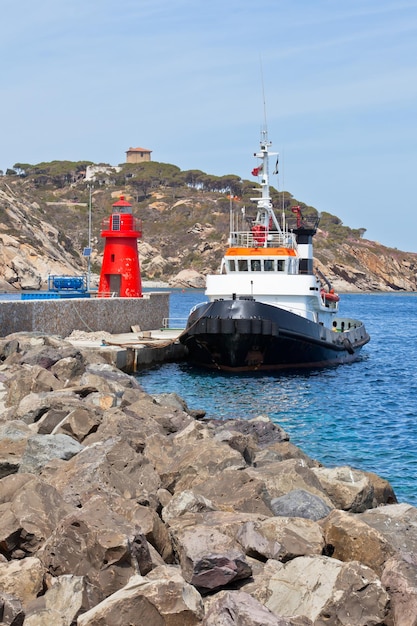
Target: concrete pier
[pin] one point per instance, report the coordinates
(127, 332)
(131, 352)
(63, 316)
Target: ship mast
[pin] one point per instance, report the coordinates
(265, 214)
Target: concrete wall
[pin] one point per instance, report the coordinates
(61, 317)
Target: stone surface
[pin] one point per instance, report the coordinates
(282, 477)
(348, 489)
(98, 544)
(237, 608)
(13, 439)
(209, 559)
(22, 579)
(61, 603)
(324, 590)
(281, 538)
(40, 449)
(348, 538)
(11, 610)
(300, 503)
(154, 507)
(30, 509)
(162, 597)
(400, 579)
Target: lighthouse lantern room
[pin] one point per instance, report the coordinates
(120, 271)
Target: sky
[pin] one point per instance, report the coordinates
(196, 81)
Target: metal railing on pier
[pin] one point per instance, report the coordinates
(174, 323)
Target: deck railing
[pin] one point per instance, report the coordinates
(271, 239)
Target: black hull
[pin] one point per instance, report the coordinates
(245, 335)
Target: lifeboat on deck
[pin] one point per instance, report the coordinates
(329, 296)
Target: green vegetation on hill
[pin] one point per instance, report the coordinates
(185, 217)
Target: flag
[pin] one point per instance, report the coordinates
(257, 170)
(276, 167)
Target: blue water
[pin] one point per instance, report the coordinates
(363, 415)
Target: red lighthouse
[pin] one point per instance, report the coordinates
(120, 271)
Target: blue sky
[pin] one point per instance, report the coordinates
(88, 79)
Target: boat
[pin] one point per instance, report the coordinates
(268, 309)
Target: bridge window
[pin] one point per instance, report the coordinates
(242, 265)
(255, 265)
(268, 265)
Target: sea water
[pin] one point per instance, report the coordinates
(363, 415)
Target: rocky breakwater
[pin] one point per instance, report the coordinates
(120, 508)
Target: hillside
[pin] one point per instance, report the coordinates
(44, 213)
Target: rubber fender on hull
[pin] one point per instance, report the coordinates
(348, 346)
(230, 326)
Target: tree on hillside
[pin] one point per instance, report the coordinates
(22, 168)
(55, 173)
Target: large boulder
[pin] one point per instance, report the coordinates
(40, 449)
(99, 544)
(209, 559)
(348, 538)
(400, 578)
(237, 491)
(30, 509)
(281, 477)
(22, 579)
(13, 440)
(349, 489)
(237, 608)
(63, 601)
(161, 597)
(110, 467)
(281, 538)
(397, 523)
(30, 379)
(300, 503)
(323, 589)
(188, 278)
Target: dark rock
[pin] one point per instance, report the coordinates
(209, 559)
(300, 503)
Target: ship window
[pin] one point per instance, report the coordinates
(280, 265)
(268, 265)
(232, 267)
(242, 265)
(255, 265)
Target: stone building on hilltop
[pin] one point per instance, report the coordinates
(138, 155)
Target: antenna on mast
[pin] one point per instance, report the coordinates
(265, 128)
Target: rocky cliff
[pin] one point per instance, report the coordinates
(43, 231)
